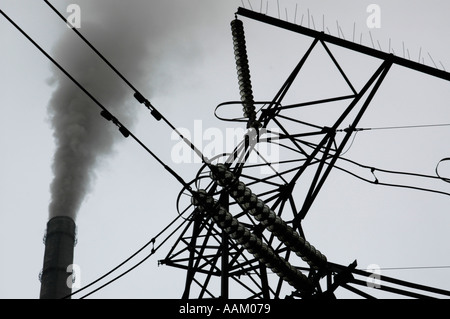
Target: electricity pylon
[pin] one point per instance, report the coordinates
(244, 234)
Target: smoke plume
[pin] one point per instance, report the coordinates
(127, 35)
(148, 42)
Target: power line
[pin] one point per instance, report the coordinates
(414, 268)
(138, 95)
(153, 251)
(377, 181)
(373, 169)
(389, 268)
(121, 126)
(393, 127)
(445, 179)
(105, 113)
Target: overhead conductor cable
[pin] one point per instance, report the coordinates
(137, 95)
(105, 113)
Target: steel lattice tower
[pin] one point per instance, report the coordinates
(242, 233)
(245, 230)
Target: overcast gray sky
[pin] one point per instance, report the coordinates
(180, 55)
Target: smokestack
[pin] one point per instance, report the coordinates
(133, 37)
(59, 246)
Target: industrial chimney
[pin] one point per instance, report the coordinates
(59, 246)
